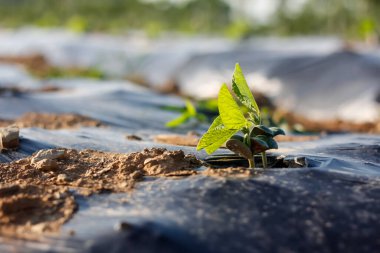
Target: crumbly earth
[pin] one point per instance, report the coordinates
(21, 90)
(51, 121)
(334, 125)
(29, 210)
(235, 172)
(34, 196)
(178, 139)
(192, 140)
(35, 63)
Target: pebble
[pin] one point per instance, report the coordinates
(46, 165)
(62, 178)
(9, 137)
(122, 226)
(51, 154)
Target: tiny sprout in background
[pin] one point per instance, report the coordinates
(188, 113)
(241, 129)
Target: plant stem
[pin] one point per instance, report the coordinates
(264, 159)
(251, 163)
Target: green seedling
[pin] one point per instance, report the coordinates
(240, 128)
(187, 114)
(201, 111)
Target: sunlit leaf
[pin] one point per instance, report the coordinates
(190, 108)
(178, 121)
(242, 91)
(215, 136)
(229, 111)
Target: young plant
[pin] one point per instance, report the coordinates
(188, 113)
(254, 138)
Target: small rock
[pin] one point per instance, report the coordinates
(133, 137)
(9, 137)
(136, 175)
(40, 228)
(51, 154)
(46, 165)
(123, 185)
(62, 178)
(122, 226)
(296, 162)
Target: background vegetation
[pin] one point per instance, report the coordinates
(357, 19)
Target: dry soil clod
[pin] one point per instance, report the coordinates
(34, 196)
(52, 121)
(29, 210)
(9, 137)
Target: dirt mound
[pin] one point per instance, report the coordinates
(330, 126)
(35, 63)
(16, 91)
(52, 121)
(27, 209)
(34, 194)
(234, 172)
(96, 170)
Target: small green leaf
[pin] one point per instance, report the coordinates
(190, 108)
(178, 121)
(258, 145)
(242, 91)
(221, 137)
(261, 130)
(277, 131)
(229, 111)
(238, 137)
(272, 144)
(208, 139)
(216, 124)
(215, 136)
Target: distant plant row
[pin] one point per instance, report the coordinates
(347, 18)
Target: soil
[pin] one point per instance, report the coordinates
(234, 172)
(193, 139)
(35, 63)
(27, 210)
(329, 126)
(15, 91)
(34, 195)
(176, 139)
(39, 66)
(133, 137)
(51, 121)
(296, 138)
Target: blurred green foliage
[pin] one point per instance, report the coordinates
(56, 72)
(117, 15)
(358, 19)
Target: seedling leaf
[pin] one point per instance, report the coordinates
(178, 121)
(242, 91)
(272, 144)
(215, 136)
(261, 130)
(239, 148)
(277, 131)
(258, 145)
(219, 138)
(190, 108)
(229, 111)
